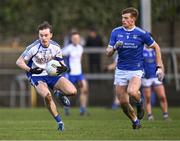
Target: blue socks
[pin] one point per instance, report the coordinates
(136, 122)
(57, 118)
(82, 110)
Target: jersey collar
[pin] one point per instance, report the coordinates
(129, 29)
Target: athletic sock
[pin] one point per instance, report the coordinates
(149, 114)
(136, 121)
(82, 109)
(165, 115)
(58, 118)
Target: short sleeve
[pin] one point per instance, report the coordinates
(66, 51)
(59, 53)
(27, 54)
(112, 40)
(147, 38)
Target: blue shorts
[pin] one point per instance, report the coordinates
(49, 80)
(75, 78)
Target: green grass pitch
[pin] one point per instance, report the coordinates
(105, 124)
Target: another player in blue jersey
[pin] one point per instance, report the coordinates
(150, 81)
(128, 40)
(34, 59)
(74, 52)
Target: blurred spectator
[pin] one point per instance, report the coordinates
(94, 40)
(15, 42)
(67, 38)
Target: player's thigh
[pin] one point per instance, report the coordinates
(160, 91)
(134, 85)
(65, 85)
(42, 89)
(122, 94)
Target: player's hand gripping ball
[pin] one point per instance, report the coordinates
(51, 67)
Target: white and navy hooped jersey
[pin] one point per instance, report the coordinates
(37, 56)
(74, 54)
(149, 63)
(130, 54)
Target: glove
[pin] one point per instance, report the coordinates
(36, 70)
(62, 69)
(159, 73)
(117, 45)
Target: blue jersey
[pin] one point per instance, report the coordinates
(149, 63)
(130, 54)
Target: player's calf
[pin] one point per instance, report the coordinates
(140, 109)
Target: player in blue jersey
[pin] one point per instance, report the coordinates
(150, 81)
(128, 40)
(34, 59)
(74, 52)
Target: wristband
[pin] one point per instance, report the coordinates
(158, 67)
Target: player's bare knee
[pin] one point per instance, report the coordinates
(163, 99)
(73, 91)
(85, 91)
(148, 100)
(132, 92)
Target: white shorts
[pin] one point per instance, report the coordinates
(122, 77)
(150, 82)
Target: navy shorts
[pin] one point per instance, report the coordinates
(75, 78)
(49, 80)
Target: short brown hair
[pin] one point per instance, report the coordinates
(133, 11)
(45, 25)
(74, 33)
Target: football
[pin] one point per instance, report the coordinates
(51, 67)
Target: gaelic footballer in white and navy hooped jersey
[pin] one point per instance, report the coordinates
(37, 56)
(130, 54)
(74, 54)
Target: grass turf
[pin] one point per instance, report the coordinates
(104, 124)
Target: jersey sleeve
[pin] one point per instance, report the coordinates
(28, 53)
(59, 55)
(147, 38)
(112, 40)
(66, 51)
(30, 50)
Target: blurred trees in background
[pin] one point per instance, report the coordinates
(19, 17)
(23, 16)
